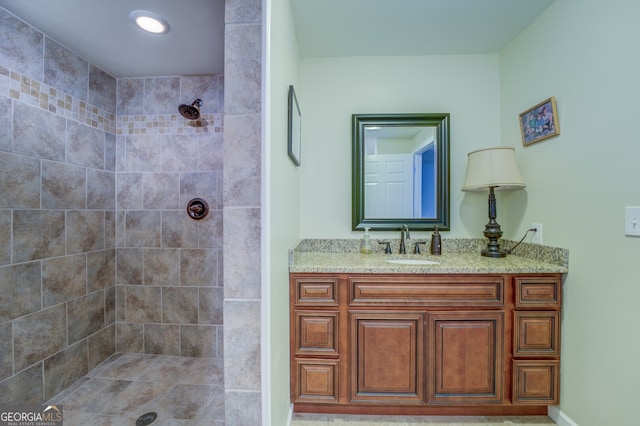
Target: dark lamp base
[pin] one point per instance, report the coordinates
(489, 252)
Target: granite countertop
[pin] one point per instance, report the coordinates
(461, 256)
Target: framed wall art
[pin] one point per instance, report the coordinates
(539, 122)
(295, 128)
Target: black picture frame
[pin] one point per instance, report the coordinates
(294, 134)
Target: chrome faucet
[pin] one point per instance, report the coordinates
(404, 234)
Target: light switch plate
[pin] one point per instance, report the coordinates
(632, 221)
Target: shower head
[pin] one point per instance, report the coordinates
(191, 112)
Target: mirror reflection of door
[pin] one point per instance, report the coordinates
(400, 172)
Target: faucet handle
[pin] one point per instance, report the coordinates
(387, 249)
(416, 246)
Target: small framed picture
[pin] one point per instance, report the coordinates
(295, 128)
(539, 122)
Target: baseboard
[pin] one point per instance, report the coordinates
(290, 416)
(558, 416)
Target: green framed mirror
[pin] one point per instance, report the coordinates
(400, 171)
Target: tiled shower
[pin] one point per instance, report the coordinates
(97, 252)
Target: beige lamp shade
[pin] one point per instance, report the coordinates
(493, 167)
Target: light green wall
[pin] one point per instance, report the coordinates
(282, 201)
(467, 87)
(585, 53)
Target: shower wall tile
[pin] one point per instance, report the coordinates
(6, 350)
(161, 95)
(210, 152)
(110, 222)
(130, 96)
(21, 46)
(85, 316)
(25, 387)
(143, 228)
(65, 70)
(39, 335)
(63, 186)
(5, 237)
(102, 89)
(129, 337)
(242, 408)
(243, 61)
(210, 308)
(101, 189)
(161, 267)
(210, 235)
(161, 190)
(179, 154)
(129, 191)
(143, 304)
(129, 266)
(180, 305)
(242, 172)
(110, 305)
(63, 279)
(162, 339)
(85, 145)
(243, 11)
(38, 133)
(101, 269)
(178, 230)
(37, 234)
(198, 341)
(242, 229)
(110, 152)
(85, 231)
(121, 153)
(19, 182)
(120, 303)
(201, 185)
(64, 368)
(143, 153)
(205, 87)
(197, 268)
(101, 346)
(242, 345)
(5, 123)
(20, 289)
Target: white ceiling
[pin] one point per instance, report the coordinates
(327, 28)
(100, 31)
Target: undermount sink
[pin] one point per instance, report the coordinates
(413, 262)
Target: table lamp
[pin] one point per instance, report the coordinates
(493, 169)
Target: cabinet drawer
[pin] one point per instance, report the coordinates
(427, 291)
(536, 333)
(536, 382)
(316, 291)
(317, 381)
(316, 333)
(538, 292)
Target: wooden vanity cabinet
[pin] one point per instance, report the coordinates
(411, 344)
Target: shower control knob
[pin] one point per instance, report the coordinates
(197, 209)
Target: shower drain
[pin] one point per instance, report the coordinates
(146, 419)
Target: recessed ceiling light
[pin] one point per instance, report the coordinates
(149, 21)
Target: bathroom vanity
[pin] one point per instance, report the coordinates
(468, 335)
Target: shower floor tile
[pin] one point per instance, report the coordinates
(181, 390)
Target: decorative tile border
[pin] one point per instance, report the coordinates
(35, 93)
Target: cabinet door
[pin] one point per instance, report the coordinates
(465, 360)
(387, 357)
(316, 381)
